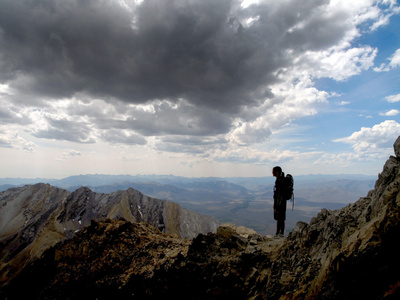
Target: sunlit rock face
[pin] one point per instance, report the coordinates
(36, 217)
(341, 254)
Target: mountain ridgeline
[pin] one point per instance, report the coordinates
(35, 217)
(349, 253)
(245, 201)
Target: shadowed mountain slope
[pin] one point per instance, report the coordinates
(349, 253)
(35, 217)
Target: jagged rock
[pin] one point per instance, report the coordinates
(107, 254)
(351, 253)
(342, 254)
(397, 147)
(36, 217)
(240, 230)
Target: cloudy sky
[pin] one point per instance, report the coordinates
(198, 87)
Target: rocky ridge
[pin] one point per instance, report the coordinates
(342, 254)
(36, 217)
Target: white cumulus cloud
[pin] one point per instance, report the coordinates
(393, 98)
(377, 140)
(391, 113)
(394, 62)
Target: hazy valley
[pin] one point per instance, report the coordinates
(83, 244)
(244, 201)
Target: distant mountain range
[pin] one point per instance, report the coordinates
(55, 244)
(245, 201)
(104, 179)
(35, 217)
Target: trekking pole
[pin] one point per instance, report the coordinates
(293, 201)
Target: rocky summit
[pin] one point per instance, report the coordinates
(341, 254)
(36, 217)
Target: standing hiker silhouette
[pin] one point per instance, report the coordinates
(279, 202)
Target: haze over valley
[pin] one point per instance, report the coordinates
(244, 201)
(59, 244)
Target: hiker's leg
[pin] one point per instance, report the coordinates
(282, 227)
(279, 226)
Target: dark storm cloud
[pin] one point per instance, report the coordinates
(164, 118)
(6, 116)
(181, 119)
(10, 115)
(190, 144)
(197, 50)
(78, 132)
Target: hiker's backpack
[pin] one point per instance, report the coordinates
(287, 190)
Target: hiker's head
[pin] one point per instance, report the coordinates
(277, 171)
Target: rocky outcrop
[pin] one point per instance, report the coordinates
(119, 259)
(98, 262)
(36, 217)
(342, 254)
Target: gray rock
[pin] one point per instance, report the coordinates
(36, 217)
(396, 147)
(350, 253)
